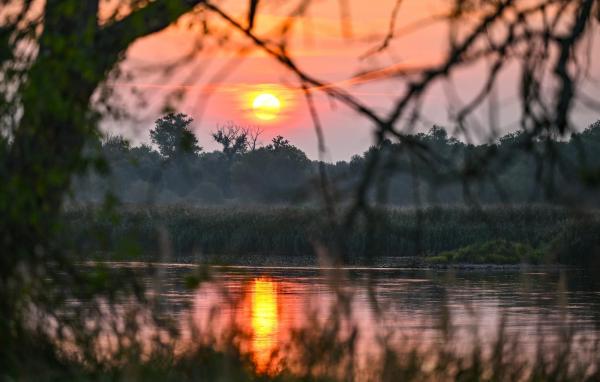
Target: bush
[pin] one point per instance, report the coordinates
(206, 193)
(490, 252)
(578, 243)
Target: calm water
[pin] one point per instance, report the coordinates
(407, 305)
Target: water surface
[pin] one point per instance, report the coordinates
(404, 306)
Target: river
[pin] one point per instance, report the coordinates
(406, 307)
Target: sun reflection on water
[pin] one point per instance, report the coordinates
(265, 321)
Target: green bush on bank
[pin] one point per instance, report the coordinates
(490, 252)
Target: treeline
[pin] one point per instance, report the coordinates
(425, 168)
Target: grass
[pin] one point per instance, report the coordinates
(495, 234)
(320, 351)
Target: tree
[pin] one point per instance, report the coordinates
(174, 137)
(233, 138)
(279, 143)
(55, 56)
(277, 172)
(115, 146)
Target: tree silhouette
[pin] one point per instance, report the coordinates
(275, 173)
(233, 139)
(173, 136)
(279, 143)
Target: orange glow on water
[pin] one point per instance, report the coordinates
(265, 322)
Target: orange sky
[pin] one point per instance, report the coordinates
(323, 46)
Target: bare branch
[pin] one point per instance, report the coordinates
(252, 13)
(390, 34)
(141, 22)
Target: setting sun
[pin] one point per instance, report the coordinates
(266, 106)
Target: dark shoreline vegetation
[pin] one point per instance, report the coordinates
(249, 203)
(496, 235)
(177, 171)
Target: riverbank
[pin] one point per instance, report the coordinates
(263, 236)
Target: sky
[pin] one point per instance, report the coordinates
(219, 84)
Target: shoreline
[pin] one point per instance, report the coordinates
(406, 264)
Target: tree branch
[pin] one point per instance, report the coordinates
(143, 21)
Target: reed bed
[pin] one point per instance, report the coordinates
(185, 232)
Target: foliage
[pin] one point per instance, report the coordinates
(272, 173)
(511, 234)
(234, 140)
(578, 243)
(490, 252)
(174, 137)
(281, 173)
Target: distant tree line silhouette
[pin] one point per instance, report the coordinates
(177, 170)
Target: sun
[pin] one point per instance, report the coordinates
(266, 106)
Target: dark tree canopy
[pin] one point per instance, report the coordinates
(278, 172)
(233, 139)
(282, 173)
(174, 137)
